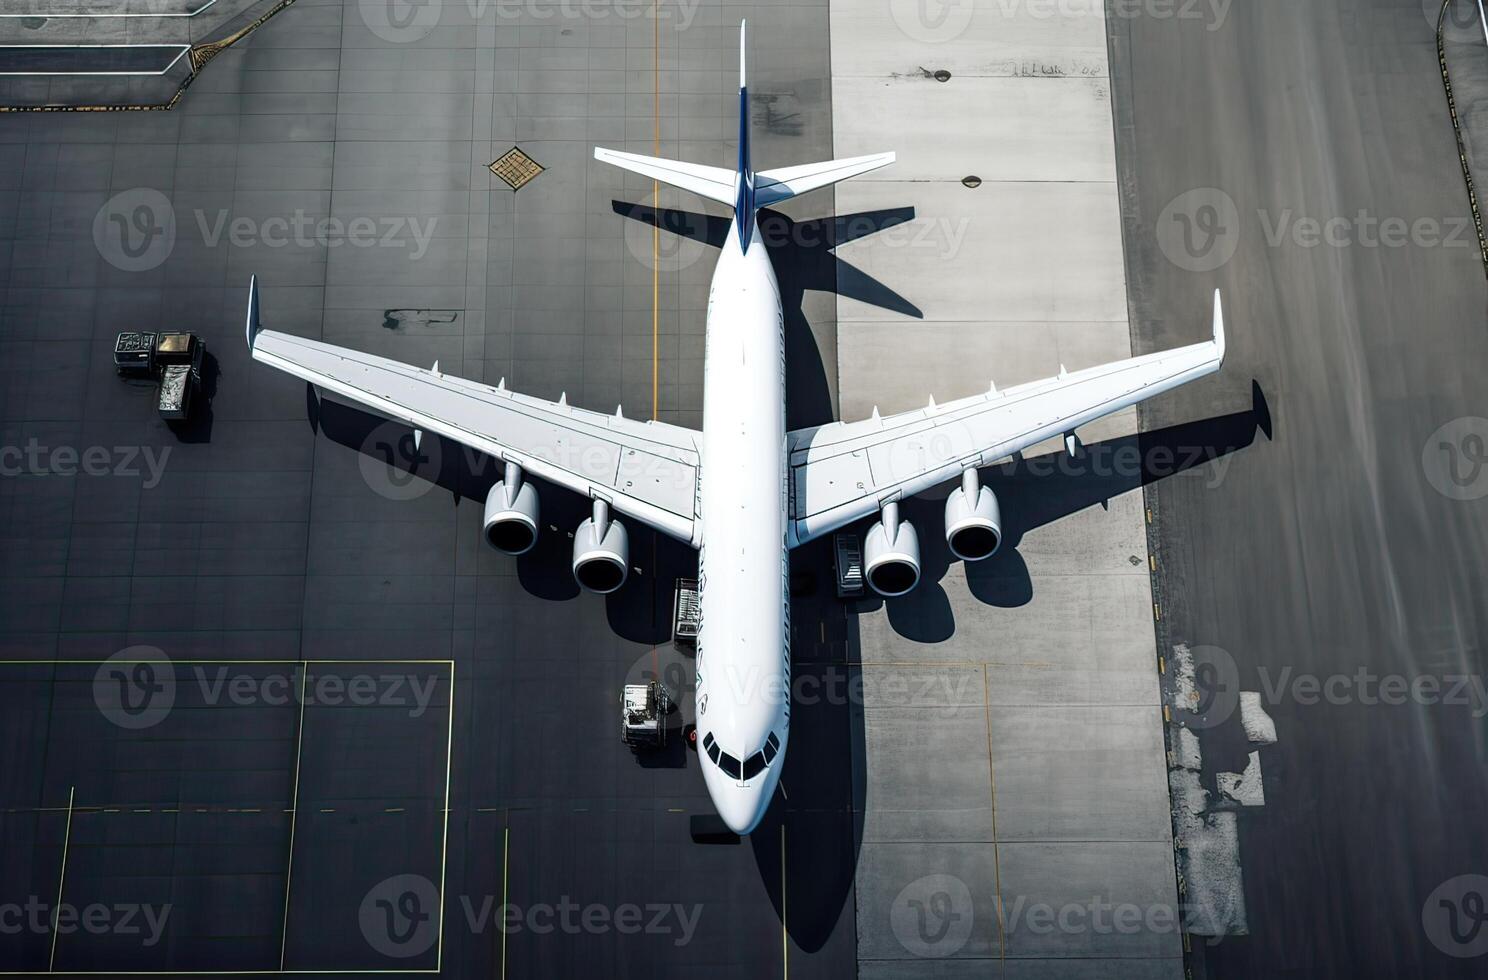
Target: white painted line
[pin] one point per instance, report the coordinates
(180, 14)
(181, 50)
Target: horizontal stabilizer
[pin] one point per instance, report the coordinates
(713, 183)
(774, 186)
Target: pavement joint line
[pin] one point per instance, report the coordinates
(61, 879)
(656, 203)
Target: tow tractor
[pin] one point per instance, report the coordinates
(173, 360)
(643, 716)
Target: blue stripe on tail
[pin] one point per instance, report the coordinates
(744, 196)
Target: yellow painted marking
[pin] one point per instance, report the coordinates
(992, 788)
(449, 755)
(505, 867)
(61, 879)
(784, 933)
(394, 971)
(294, 807)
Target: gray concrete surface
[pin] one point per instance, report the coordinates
(264, 537)
(1013, 724)
(1341, 543)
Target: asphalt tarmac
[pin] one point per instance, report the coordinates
(342, 157)
(1324, 197)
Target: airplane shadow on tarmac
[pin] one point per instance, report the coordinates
(814, 864)
(1039, 491)
(826, 794)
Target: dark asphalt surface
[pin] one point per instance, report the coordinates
(1328, 548)
(272, 529)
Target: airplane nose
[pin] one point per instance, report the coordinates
(741, 807)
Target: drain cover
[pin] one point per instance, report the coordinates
(516, 168)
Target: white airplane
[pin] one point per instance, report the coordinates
(744, 491)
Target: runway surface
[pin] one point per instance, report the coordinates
(342, 157)
(1352, 540)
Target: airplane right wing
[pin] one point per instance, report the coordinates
(843, 472)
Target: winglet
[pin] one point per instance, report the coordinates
(254, 326)
(1219, 331)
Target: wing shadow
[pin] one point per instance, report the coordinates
(1034, 492)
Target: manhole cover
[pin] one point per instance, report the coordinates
(516, 168)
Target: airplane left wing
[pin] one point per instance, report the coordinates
(843, 472)
(646, 470)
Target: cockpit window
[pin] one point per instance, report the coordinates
(750, 767)
(772, 746)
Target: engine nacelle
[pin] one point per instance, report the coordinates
(601, 553)
(510, 518)
(973, 521)
(891, 554)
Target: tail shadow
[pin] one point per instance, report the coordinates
(801, 252)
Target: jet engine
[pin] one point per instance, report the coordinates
(510, 519)
(973, 521)
(891, 554)
(601, 554)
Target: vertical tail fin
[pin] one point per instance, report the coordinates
(744, 178)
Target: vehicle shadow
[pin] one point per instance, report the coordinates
(1033, 492)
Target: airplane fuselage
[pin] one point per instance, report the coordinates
(743, 648)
